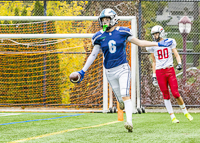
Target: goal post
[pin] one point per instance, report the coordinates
(60, 18)
(12, 36)
(133, 53)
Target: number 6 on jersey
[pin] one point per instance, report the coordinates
(112, 46)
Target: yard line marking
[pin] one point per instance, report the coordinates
(40, 119)
(9, 114)
(60, 132)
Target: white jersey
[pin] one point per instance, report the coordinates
(163, 55)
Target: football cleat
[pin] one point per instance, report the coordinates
(174, 120)
(128, 126)
(121, 105)
(188, 116)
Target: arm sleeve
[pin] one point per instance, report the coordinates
(130, 37)
(126, 32)
(92, 57)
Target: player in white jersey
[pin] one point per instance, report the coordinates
(112, 41)
(163, 71)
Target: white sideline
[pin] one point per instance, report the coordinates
(43, 110)
(9, 114)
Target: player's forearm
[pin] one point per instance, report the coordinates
(91, 58)
(178, 59)
(153, 64)
(144, 43)
(154, 67)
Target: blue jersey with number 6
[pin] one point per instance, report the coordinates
(113, 45)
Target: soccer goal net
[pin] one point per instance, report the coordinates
(37, 56)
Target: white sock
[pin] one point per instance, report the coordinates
(168, 105)
(128, 110)
(184, 110)
(172, 116)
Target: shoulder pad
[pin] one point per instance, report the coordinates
(97, 34)
(169, 39)
(124, 28)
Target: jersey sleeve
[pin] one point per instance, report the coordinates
(126, 32)
(173, 44)
(150, 49)
(95, 39)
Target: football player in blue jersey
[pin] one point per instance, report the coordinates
(112, 41)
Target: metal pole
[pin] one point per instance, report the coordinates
(134, 66)
(139, 50)
(110, 97)
(196, 29)
(105, 92)
(184, 57)
(44, 65)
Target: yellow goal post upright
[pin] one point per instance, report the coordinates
(134, 52)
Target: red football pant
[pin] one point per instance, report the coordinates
(167, 77)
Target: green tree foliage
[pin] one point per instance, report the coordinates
(38, 9)
(149, 10)
(16, 11)
(24, 11)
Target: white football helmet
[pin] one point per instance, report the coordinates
(108, 12)
(158, 29)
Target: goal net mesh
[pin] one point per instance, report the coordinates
(34, 72)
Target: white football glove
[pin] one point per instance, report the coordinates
(155, 82)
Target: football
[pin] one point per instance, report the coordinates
(75, 77)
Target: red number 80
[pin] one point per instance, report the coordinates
(160, 54)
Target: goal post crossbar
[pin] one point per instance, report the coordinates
(59, 18)
(35, 36)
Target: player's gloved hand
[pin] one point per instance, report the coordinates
(155, 82)
(82, 73)
(163, 43)
(179, 67)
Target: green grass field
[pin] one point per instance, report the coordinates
(148, 127)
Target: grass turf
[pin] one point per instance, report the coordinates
(148, 127)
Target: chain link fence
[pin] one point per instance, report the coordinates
(148, 13)
(168, 14)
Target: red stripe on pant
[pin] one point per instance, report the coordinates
(167, 77)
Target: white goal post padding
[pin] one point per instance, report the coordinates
(134, 48)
